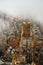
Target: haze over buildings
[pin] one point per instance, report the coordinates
(32, 9)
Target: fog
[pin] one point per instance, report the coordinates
(32, 9)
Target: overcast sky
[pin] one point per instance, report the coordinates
(23, 7)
